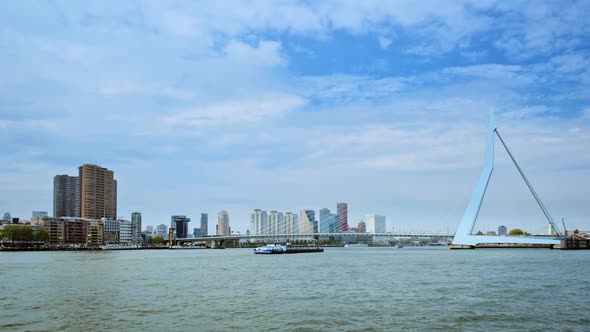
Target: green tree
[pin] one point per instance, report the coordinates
(41, 234)
(23, 233)
(158, 239)
(516, 232)
(8, 233)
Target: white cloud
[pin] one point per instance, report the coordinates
(570, 63)
(266, 53)
(384, 42)
(349, 87)
(127, 86)
(541, 28)
(5, 123)
(511, 74)
(238, 111)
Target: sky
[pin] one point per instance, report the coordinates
(204, 106)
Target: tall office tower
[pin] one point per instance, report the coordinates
(258, 222)
(342, 211)
(502, 230)
(149, 229)
(136, 224)
(98, 192)
(306, 221)
(374, 223)
(7, 217)
(66, 196)
(223, 223)
(328, 222)
(291, 221)
(162, 230)
(181, 226)
(204, 224)
(276, 223)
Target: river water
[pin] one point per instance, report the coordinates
(342, 289)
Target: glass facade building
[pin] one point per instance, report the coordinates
(204, 224)
(328, 222)
(181, 226)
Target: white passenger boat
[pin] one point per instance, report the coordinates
(353, 245)
(270, 249)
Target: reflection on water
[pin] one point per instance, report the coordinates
(370, 289)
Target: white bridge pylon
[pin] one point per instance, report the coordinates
(464, 235)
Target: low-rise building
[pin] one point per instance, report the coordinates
(112, 229)
(68, 230)
(95, 232)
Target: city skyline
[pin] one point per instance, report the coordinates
(379, 105)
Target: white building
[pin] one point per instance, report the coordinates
(374, 223)
(291, 221)
(276, 223)
(223, 223)
(306, 221)
(258, 222)
(126, 231)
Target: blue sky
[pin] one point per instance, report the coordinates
(237, 105)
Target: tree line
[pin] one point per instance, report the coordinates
(14, 233)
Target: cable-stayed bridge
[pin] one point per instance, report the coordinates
(464, 236)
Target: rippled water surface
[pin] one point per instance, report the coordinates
(342, 289)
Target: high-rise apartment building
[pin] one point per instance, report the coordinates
(223, 223)
(66, 196)
(181, 226)
(374, 223)
(98, 192)
(204, 224)
(258, 222)
(149, 229)
(306, 221)
(291, 223)
(276, 223)
(342, 211)
(136, 226)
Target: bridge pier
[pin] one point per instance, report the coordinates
(217, 244)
